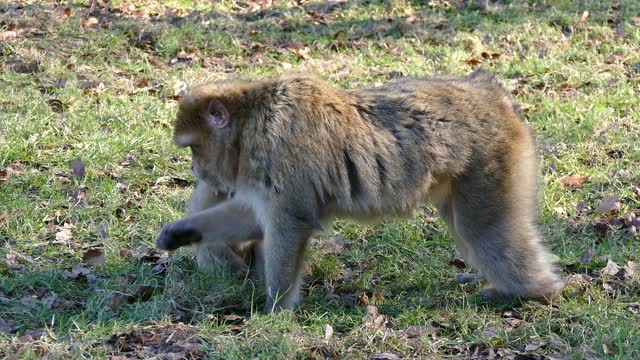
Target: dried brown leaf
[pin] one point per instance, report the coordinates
(91, 21)
(573, 181)
(6, 327)
(6, 35)
(363, 299)
(608, 204)
(64, 234)
(473, 62)
(77, 272)
(458, 261)
(12, 261)
(56, 105)
(234, 319)
(144, 293)
(613, 269)
(584, 17)
(332, 245)
(586, 256)
(385, 356)
(93, 257)
(179, 88)
(172, 181)
(328, 332)
(77, 169)
(415, 331)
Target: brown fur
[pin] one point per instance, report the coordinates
(298, 153)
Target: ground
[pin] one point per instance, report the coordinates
(89, 174)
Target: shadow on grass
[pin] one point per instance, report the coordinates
(317, 24)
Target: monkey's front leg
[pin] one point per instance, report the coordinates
(284, 245)
(229, 222)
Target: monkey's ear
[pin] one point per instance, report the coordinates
(217, 114)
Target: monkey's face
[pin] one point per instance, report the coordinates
(209, 130)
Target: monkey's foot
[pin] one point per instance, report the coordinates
(466, 278)
(177, 234)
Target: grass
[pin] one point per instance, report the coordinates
(101, 83)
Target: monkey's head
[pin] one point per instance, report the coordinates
(208, 121)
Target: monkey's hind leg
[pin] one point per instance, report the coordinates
(502, 242)
(445, 209)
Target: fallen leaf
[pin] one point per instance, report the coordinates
(514, 322)
(584, 16)
(612, 269)
(30, 335)
(64, 234)
(473, 62)
(586, 257)
(377, 298)
(91, 22)
(54, 302)
(332, 245)
(179, 88)
(573, 181)
(385, 356)
(256, 57)
(608, 350)
(234, 319)
(608, 203)
(77, 169)
(363, 299)
(56, 105)
(374, 319)
(298, 48)
(12, 261)
(89, 85)
(183, 59)
(144, 293)
(328, 332)
(93, 257)
(77, 272)
(172, 181)
(415, 331)
(5, 35)
(26, 67)
(457, 261)
(172, 341)
(6, 327)
(583, 208)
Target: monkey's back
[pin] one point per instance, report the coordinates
(365, 150)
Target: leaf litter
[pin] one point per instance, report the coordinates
(171, 341)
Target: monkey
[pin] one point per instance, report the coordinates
(298, 153)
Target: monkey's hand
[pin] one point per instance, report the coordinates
(177, 234)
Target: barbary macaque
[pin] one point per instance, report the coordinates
(292, 153)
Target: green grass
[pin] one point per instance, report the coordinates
(577, 82)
